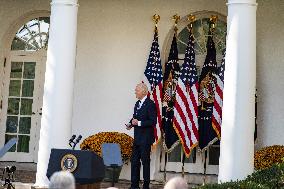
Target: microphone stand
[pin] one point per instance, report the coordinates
(72, 143)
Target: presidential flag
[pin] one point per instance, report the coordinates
(171, 75)
(185, 118)
(218, 98)
(207, 135)
(153, 78)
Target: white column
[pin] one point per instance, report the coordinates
(58, 87)
(237, 142)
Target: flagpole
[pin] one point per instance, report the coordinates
(176, 18)
(204, 157)
(213, 22)
(165, 168)
(156, 18)
(182, 168)
(191, 18)
(212, 27)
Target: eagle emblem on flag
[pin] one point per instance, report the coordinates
(207, 89)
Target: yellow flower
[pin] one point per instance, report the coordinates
(94, 143)
(268, 156)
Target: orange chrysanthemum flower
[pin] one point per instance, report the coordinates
(268, 156)
(95, 142)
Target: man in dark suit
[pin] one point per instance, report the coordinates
(143, 121)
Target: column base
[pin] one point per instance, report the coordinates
(35, 187)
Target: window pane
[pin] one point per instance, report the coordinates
(175, 155)
(13, 106)
(192, 157)
(214, 153)
(25, 125)
(16, 70)
(28, 88)
(182, 40)
(11, 124)
(18, 44)
(29, 70)
(15, 88)
(23, 143)
(9, 137)
(29, 36)
(26, 106)
(200, 34)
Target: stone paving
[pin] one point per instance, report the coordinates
(25, 177)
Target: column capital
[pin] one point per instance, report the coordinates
(247, 2)
(64, 2)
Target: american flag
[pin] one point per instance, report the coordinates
(186, 105)
(218, 99)
(154, 80)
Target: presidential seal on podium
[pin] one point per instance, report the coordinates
(69, 163)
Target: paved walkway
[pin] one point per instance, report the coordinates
(25, 177)
(122, 184)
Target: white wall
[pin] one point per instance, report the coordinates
(114, 39)
(270, 69)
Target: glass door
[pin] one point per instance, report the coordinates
(195, 162)
(22, 106)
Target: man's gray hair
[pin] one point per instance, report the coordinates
(62, 180)
(144, 88)
(176, 183)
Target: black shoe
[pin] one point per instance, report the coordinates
(146, 187)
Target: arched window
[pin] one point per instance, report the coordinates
(32, 36)
(200, 34)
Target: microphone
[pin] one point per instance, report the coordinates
(77, 141)
(71, 140)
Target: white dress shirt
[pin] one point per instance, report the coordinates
(140, 105)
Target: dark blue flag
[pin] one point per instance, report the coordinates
(171, 75)
(207, 135)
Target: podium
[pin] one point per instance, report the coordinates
(86, 166)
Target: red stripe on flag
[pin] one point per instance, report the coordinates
(159, 116)
(219, 91)
(194, 102)
(181, 135)
(183, 118)
(194, 128)
(218, 109)
(189, 113)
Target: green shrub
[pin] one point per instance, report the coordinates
(269, 178)
(235, 185)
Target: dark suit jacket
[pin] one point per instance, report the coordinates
(147, 114)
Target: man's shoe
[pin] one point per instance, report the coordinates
(146, 187)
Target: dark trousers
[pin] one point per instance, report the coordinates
(140, 152)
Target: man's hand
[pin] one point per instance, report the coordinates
(128, 126)
(134, 121)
